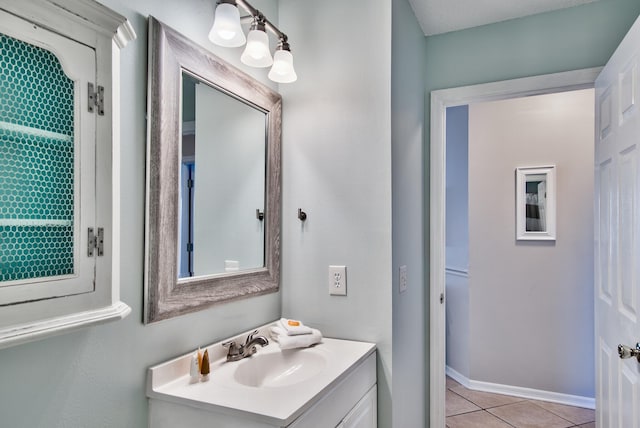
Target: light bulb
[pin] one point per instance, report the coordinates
(282, 70)
(226, 30)
(257, 53)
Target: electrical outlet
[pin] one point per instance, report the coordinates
(338, 280)
(403, 279)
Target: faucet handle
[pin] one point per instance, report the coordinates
(233, 347)
(250, 337)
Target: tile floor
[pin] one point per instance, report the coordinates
(471, 409)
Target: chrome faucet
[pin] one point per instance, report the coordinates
(238, 352)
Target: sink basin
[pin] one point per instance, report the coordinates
(279, 369)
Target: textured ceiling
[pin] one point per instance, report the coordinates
(442, 16)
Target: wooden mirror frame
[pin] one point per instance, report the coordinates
(171, 53)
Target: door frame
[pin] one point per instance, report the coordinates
(440, 101)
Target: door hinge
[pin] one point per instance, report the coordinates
(441, 298)
(95, 242)
(189, 247)
(190, 183)
(96, 98)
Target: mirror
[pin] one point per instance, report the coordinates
(213, 180)
(535, 203)
(222, 182)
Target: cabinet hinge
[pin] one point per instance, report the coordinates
(96, 98)
(95, 241)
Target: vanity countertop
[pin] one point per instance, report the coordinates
(276, 399)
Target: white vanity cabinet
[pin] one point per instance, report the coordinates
(364, 414)
(332, 384)
(344, 406)
(59, 68)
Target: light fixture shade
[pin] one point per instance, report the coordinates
(282, 70)
(257, 53)
(226, 30)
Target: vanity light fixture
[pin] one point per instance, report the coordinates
(282, 70)
(226, 31)
(256, 53)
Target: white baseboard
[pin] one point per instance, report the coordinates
(518, 391)
(460, 378)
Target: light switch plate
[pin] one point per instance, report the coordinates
(338, 280)
(402, 283)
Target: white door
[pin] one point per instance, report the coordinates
(617, 235)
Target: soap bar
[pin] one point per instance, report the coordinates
(294, 327)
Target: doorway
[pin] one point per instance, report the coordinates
(440, 101)
(512, 297)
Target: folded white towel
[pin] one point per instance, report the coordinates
(298, 341)
(294, 327)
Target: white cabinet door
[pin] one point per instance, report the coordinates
(365, 413)
(617, 235)
(47, 163)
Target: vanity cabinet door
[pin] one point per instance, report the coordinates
(364, 414)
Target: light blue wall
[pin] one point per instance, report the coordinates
(337, 167)
(96, 377)
(410, 406)
(457, 221)
(457, 239)
(570, 39)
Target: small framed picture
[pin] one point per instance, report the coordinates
(536, 203)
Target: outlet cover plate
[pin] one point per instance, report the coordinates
(338, 280)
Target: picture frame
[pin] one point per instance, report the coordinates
(536, 203)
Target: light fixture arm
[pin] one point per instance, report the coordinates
(255, 13)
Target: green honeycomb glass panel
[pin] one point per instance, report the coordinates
(35, 251)
(36, 163)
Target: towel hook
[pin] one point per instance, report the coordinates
(302, 215)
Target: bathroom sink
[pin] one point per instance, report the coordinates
(272, 386)
(279, 369)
